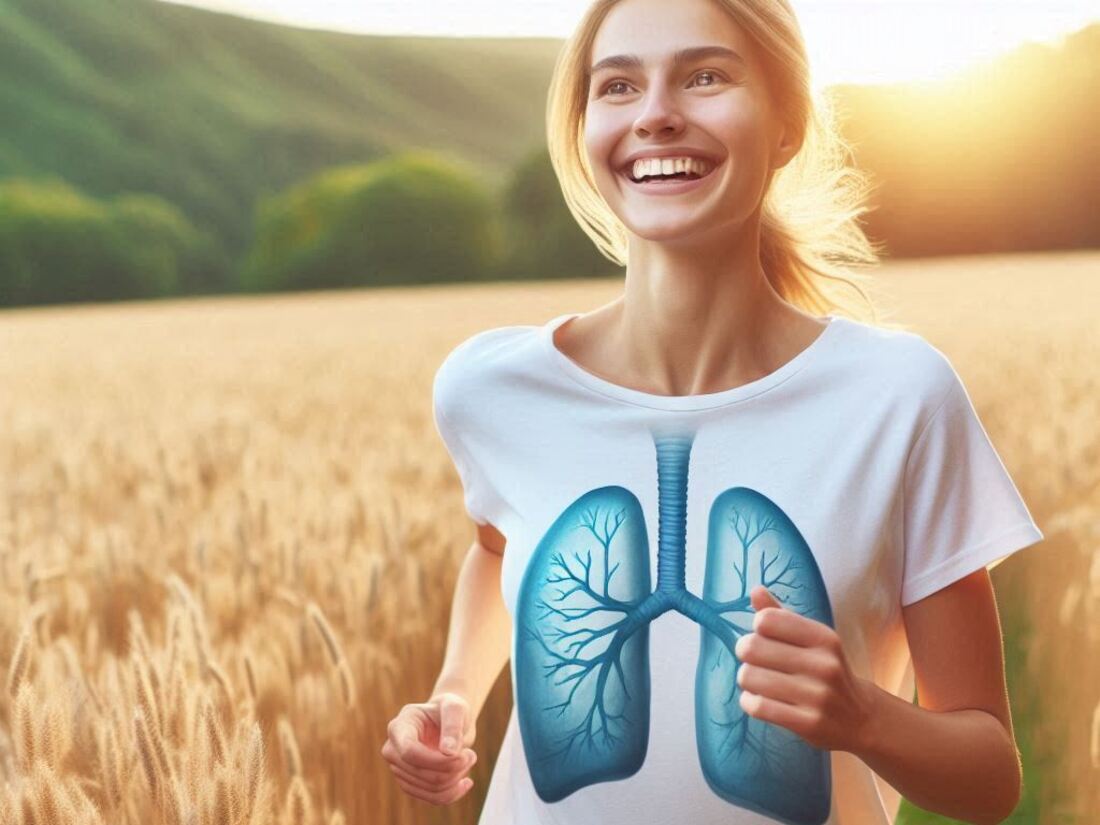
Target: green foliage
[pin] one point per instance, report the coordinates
(543, 239)
(161, 243)
(59, 245)
(410, 218)
(211, 111)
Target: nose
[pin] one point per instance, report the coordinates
(659, 114)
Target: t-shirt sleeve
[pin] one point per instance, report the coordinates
(477, 493)
(962, 510)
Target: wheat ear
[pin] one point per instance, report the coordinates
(19, 661)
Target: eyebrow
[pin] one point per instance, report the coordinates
(632, 61)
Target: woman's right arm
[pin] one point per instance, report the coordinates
(479, 641)
(478, 647)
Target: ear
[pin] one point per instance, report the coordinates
(786, 147)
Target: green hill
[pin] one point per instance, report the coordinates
(210, 111)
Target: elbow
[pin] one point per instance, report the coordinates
(1010, 798)
(1013, 800)
(998, 819)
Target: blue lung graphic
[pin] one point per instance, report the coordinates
(582, 641)
(582, 649)
(764, 767)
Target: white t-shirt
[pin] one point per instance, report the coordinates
(853, 480)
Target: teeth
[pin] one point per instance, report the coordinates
(669, 166)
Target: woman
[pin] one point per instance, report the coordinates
(825, 502)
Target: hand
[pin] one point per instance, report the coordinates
(427, 748)
(793, 672)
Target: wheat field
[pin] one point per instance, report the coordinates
(229, 535)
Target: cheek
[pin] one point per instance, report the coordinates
(600, 136)
(740, 128)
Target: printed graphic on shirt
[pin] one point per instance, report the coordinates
(582, 641)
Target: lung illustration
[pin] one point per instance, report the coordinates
(582, 646)
(764, 767)
(582, 641)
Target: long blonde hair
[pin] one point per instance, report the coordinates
(810, 240)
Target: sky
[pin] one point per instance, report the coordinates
(856, 41)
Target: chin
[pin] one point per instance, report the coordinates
(656, 227)
(666, 234)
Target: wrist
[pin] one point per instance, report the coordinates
(869, 730)
(452, 684)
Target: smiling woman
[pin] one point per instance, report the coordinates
(702, 479)
(808, 195)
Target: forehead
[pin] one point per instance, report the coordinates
(654, 30)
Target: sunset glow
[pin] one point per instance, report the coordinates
(857, 41)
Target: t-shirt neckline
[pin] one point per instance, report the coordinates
(701, 401)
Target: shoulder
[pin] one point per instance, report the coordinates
(486, 351)
(901, 363)
(481, 360)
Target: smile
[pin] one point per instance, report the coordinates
(673, 184)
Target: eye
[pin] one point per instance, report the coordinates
(715, 77)
(711, 74)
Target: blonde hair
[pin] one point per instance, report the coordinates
(810, 240)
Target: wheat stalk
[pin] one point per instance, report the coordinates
(224, 809)
(54, 734)
(335, 652)
(146, 698)
(19, 661)
(26, 723)
(112, 765)
(291, 755)
(214, 736)
(50, 805)
(347, 685)
(250, 675)
(222, 681)
(145, 750)
(254, 765)
(321, 623)
(79, 799)
(299, 805)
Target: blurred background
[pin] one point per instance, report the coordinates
(153, 149)
(228, 531)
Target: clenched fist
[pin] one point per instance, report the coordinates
(427, 748)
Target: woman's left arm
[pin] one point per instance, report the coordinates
(954, 754)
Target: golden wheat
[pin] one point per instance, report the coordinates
(335, 652)
(291, 757)
(250, 494)
(250, 674)
(145, 750)
(18, 667)
(26, 723)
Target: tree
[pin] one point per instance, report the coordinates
(543, 239)
(408, 218)
(59, 245)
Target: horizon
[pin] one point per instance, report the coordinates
(879, 42)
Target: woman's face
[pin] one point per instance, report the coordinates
(711, 105)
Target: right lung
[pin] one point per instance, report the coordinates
(582, 647)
